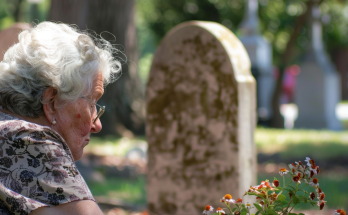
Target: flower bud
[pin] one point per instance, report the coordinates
(276, 183)
(312, 196)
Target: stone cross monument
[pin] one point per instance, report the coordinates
(260, 53)
(201, 115)
(318, 85)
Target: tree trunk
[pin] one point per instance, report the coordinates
(114, 21)
(277, 120)
(339, 57)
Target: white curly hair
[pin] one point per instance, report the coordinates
(53, 55)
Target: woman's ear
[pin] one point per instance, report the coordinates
(49, 100)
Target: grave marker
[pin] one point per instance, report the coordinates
(260, 53)
(317, 89)
(201, 114)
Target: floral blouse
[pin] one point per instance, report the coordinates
(36, 168)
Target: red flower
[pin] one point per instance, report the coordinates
(312, 196)
(321, 205)
(276, 183)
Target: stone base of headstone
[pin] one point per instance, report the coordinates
(201, 114)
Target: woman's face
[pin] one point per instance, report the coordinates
(74, 122)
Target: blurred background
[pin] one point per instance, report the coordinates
(290, 34)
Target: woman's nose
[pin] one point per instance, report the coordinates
(96, 126)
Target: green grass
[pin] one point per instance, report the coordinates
(287, 142)
(115, 146)
(131, 191)
(335, 188)
(322, 145)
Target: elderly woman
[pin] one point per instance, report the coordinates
(49, 85)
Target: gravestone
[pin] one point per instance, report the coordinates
(9, 37)
(317, 89)
(201, 114)
(260, 53)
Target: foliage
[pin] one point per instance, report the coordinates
(12, 11)
(277, 21)
(270, 198)
(334, 183)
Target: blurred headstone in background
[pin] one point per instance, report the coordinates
(201, 115)
(9, 37)
(260, 53)
(318, 88)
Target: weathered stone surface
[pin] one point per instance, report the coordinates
(201, 116)
(9, 37)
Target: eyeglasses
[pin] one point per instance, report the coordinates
(100, 109)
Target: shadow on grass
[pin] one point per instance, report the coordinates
(325, 155)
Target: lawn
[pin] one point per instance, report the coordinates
(328, 148)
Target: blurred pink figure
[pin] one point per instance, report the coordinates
(289, 83)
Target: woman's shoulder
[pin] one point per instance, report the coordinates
(30, 133)
(36, 168)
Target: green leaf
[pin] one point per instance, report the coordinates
(292, 187)
(275, 178)
(290, 191)
(295, 200)
(243, 213)
(301, 214)
(257, 213)
(244, 210)
(281, 197)
(254, 194)
(292, 214)
(234, 209)
(258, 207)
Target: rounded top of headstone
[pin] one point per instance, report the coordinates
(9, 36)
(231, 44)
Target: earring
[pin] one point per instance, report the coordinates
(54, 122)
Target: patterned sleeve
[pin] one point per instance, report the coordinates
(36, 169)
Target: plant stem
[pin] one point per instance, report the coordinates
(266, 202)
(295, 195)
(229, 208)
(283, 181)
(286, 210)
(304, 186)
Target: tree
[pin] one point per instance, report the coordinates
(282, 23)
(114, 21)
